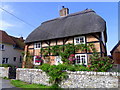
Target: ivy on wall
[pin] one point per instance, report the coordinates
(66, 50)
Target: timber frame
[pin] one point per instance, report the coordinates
(97, 36)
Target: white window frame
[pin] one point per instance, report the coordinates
(58, 60)
(35, 63)
(79, 40)
(81, 59)
(36, 45)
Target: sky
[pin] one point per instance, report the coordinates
(34, 13)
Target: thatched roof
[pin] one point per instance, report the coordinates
(79, 23)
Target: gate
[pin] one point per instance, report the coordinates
(12, 73)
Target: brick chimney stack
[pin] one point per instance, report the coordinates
(64, 11)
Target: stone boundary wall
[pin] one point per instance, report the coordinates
(32, 76)
(78, 79)
(4, 72)
(84, 79)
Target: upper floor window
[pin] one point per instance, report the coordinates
(2, 47)
(37, 45)
(79, 40)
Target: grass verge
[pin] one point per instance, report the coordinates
(21, 84)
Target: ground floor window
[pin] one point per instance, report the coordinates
(81, 59)
(37, 60)
(4, 60)
(58, 60)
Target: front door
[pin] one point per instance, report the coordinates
(81, 59)
(58, 60)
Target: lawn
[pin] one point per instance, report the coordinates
(21, 84)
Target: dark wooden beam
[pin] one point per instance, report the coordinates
(47, 42)
(65, 40)
(49, 46)
(98, 37)
(41, 50)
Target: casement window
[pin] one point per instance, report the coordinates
(14, 59)
(58, 60)
(79, 40)
(81, 59)
(5, 60)
(37, 45)
(37, 60)
(2, 47)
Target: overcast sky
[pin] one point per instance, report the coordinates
(34, 13)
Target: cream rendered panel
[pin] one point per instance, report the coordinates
(9, 53)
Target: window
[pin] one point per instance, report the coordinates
(81, 59)
(2, 47)
(37, 45)
(5, 60)
(20, 59)
(14, 59)
(37, 60)
(79, 40)
(58, 60)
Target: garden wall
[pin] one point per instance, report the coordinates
(4, 72)
(79, 79)
(32, 76)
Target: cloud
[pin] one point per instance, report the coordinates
(7, 8)
(5, 25)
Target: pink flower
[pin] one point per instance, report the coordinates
(72, 55)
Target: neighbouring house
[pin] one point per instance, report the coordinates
(81, 27)
(11, 49)
(115, 52)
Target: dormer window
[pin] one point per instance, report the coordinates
(37, 45)
(79, 40)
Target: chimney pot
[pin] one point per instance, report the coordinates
(64, 11)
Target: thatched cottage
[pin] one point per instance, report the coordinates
(81, 27)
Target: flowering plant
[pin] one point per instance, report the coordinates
(38, 59)
(72, 58)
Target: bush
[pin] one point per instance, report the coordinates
(101, 64)
(45, 67)
(57, 72)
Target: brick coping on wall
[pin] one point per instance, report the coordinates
(81, 72)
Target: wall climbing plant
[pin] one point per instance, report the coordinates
(66, 50)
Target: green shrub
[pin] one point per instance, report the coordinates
(45, 67)
(101, 64)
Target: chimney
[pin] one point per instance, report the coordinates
(64, 11)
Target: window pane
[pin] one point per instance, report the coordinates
(14, 59)
(3, 61)
(6, 60)
(81, 40)
(77, 40)
(20, 59)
